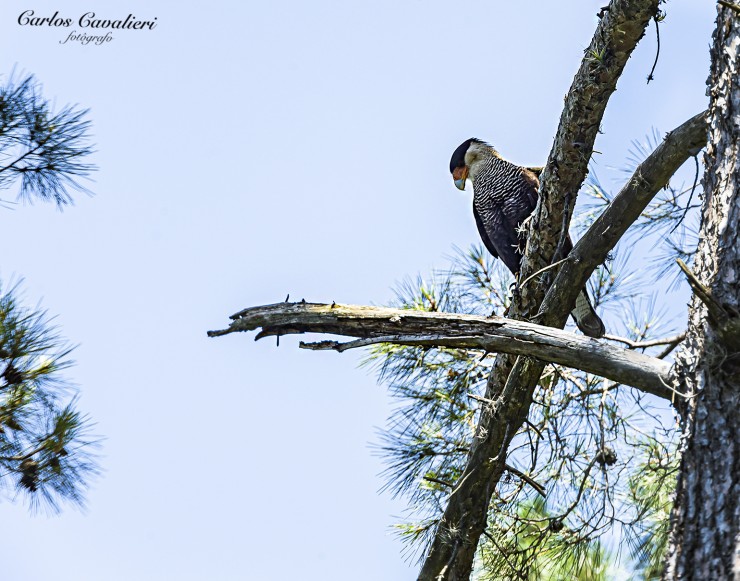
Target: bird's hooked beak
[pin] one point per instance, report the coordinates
(459, 175)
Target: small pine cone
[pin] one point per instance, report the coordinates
(30, 477)
(606, 457)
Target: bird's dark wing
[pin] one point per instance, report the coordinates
(531, 184)
(483, 234)
(500, 239)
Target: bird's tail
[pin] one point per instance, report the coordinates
(586, 318)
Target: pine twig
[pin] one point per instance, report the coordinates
(541, 270)
(644, 344)
(716, 310)
(528, 479)
(657, 52)
(691, 195)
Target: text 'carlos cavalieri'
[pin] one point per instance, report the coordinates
(101, 28)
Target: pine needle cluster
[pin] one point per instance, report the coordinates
(46, 449)
(46, 150)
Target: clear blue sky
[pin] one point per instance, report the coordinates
(248, 150)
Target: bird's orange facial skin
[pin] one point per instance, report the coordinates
(459, 175)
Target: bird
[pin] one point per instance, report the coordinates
(504, 196)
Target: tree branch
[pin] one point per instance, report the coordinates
(529, 480)
(714, 308)
(725, 319)
(730, 5)
(374, 325)
(592, 249)
(645, 344)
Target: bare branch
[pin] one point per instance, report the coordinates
(592, 249)
(730, 5)
(438, 481)
(716, 311)
(645, 344)
(541, 270)
(533, 483)
(669, 349)
(495, 334)
(724, 318)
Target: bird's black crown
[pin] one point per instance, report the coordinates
(458, 157)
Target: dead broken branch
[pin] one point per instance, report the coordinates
(373, 325)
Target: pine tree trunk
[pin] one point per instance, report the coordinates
(705, 527)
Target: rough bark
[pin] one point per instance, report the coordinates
(512, 381)
(705, 527)
(493, 334)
